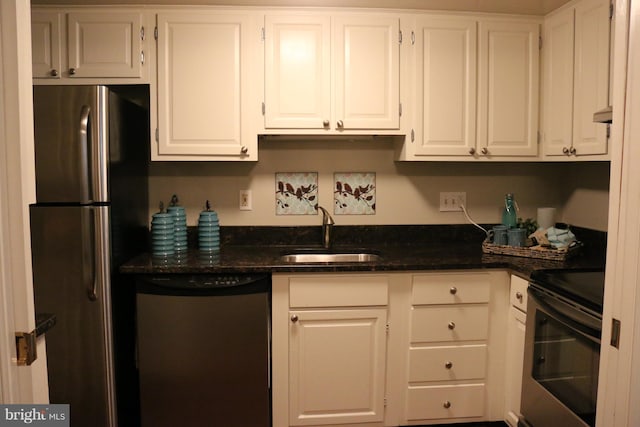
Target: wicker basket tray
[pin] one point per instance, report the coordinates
(531, 252)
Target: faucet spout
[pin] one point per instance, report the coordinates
(327, 226)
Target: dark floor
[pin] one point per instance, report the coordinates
(487, 424)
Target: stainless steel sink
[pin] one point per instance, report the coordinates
(306, 258)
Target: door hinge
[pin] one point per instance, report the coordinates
(612, 10)
(26, 352)
(400, 110)
(264, 109)
(263, 34)
(540, 42)
(157, 135)
(400, 37)
(387, 328)
(413, 135)
(142, 57)
(615, 333)
(413, 37)
(155, 33)
(142, 33)
(608, 130)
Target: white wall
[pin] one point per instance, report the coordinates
(407, 193)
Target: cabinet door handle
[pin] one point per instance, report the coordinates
(453, 290)
(294, 318)
(519, 296)
(446, 404)
(485, 150)
(565, 150)
(54, 73)
(451, 326)
(72, 71)
(448, 365)
(325, 123)
(340, 124)
(244, 149)
(472, 151)
(572, 150)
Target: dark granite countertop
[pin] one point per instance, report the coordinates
(401, 248)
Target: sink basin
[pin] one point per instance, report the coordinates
(344, 257)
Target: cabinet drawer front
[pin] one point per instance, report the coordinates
(447, 363)
(428, 403)
(338, 291)
(518, 293)
(456, 323)
(450, 288)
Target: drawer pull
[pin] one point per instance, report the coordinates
(519, 296)
(453, 290)
(294, 318)
(451, 326)
(448, 365)
(446, 404)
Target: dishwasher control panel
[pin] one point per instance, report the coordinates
(202, 281)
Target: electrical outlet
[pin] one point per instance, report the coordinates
(452, 201)
(245, 200)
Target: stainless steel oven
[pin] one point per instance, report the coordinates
(562, 355)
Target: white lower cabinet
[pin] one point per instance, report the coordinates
(388, 349)
(515, 348)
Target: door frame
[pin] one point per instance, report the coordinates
(18, 384)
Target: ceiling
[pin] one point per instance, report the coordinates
(527, 7)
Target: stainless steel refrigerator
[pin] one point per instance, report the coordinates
(91, 151)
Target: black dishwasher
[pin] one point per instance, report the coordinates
(204, 350)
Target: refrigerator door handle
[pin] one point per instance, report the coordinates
(84, 131)
(90, 252)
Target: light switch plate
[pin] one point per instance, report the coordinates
(245, 200)
(452, 201)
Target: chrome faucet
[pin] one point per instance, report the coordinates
(327, 226)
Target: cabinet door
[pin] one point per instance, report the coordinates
(297, 72)
(105, 44)
(45, 44)
(558, 82)
(508, 88)
(591, 90)
(337, 366)
(203, 87)
(445, 86)
(367, 72)
(515, 357)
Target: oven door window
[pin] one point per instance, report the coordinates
(565, 363)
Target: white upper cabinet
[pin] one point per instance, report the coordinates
(476, 89)
(446, 58)
(576, 79)
(99, 44)
(332, 73)
(205, 87)
(508, 83)
(45, 39)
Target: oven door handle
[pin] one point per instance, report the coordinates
(572, 317)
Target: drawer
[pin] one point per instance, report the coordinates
(450, 288)
(449, 323)
(338, 291)
(518, 293)
(444, 402)
(466, 362)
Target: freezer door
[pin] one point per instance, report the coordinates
(71, 143)
(70, 248)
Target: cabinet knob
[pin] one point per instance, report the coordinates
(484, 150)
(325, 123)
(448, 365)
(446, 404)
(451, 326)
(54, 73)
(565, 150)
(519, 296)
(244, 149)
(294, 318)
(340, 124)
(472, 151)
(72, 71)
(453, 290)
(572, 150)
